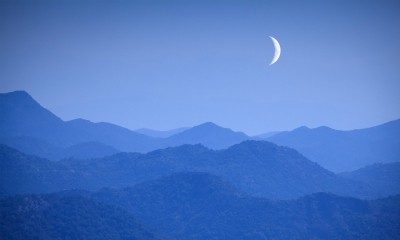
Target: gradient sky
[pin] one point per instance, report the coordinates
(169, 64)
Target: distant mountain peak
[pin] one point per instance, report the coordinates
(302, 128)
(209, 134)
(18, 97)
(210, 126)
(18, 93)
(21, 115)
(207, 125)
(254, 147)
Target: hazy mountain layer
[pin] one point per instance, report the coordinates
(22, 116)
(160, 134)
(341, 151)
(338, 151)
(384, 177)
(33, 146)
(255, 167)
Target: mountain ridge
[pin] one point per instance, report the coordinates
(195, 205)
(340, 151)
(21, 116)
(18, 119)
(258, 168)
(160, 134)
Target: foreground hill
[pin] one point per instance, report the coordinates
(202, 206)
(20, 173)
(22, 116)
(257, 168)
(66, 217)
(341, 151)
(195, 206)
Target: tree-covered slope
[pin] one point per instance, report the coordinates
(66, 217)
(203, 206)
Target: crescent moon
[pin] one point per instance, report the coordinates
(277, 50)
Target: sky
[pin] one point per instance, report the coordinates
(170, 64)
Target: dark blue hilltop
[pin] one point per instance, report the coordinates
(181, 204)
(194, 205)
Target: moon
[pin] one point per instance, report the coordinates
(277, 50)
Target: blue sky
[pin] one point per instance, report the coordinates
(168, 64)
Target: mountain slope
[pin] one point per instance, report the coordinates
(110, 134)
(258, 168)
(33, 146)
(22, 116)
(341, 151)
(160, 134)
(87, 150)
(20, 173)
(203, 206)
(267, 134)
(194, 206)
(66, 217)
(383, 177)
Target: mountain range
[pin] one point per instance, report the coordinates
(341, 151)
(32, 129)
(255, 167)
(203, 182)
(25, 122)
